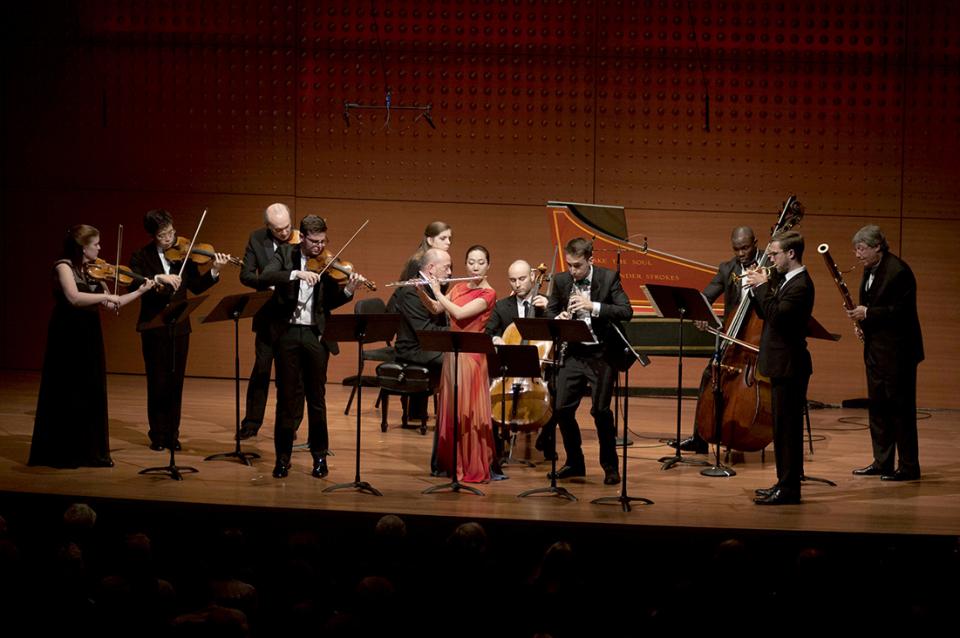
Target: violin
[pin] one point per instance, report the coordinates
(102, 271)
(201, 253)
(337, 268)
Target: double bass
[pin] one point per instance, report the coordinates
(527, 400)
(743, 409)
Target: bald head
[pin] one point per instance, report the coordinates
(435, 263)
(277, 219)
(521, 278)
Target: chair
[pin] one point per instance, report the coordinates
(369, 306)
(405, 380)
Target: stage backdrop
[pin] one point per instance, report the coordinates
(696, 116)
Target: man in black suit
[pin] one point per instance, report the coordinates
(785, 304)
(523, 302)
(165, 353)
(892, 350)
(593, 295)
(303, 301)
(744, 244)
(261, 247)
(415, 317)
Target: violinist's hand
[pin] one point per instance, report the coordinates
(700, 325)
(859, 313)
(352, 283)
(539, 301)
(219, 261)
(112, 302)
(564, 315)
(308, 276)
(147, 285)
(173, 281)
(498, 341)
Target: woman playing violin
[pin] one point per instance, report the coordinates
(160, 347)
(70, 429)
(469, 305)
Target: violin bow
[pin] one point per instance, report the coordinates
(116, 274)
(186, 257)
(344, 247)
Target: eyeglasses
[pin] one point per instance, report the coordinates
(310, 240)
(170, 232)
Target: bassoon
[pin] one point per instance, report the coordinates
(824, 250)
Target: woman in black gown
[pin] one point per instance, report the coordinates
(70, 429)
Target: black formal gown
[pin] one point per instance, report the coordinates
(70, 429)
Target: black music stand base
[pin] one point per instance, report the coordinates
(360, 486)
(454, 486)
(173, 470)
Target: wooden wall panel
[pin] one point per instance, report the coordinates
(114, 107)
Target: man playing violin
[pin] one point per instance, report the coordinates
(729, 282)
(785, 305)
(303, 301)
(165, 389)
(261, 247)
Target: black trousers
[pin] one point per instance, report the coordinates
(788, 404)
(301, 361)
(893, 416)
(259, 385)
(165, 362)
(585, 365)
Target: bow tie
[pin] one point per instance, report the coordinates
(582, 282)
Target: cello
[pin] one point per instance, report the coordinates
(527, 399)
(732, 392)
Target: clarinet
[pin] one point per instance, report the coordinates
(824, 250)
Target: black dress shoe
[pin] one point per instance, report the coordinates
(611, 476)
(157, 447)
(691, 444)
(870, 470)
(248, 431)
(320, 467)
(280, 470)
(901, 475)
(569, 471)
(765, 491)
(778, 497)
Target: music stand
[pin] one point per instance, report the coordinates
(522, 361)
(175, 312)
(673, 302)
(626, 363)
(234, 308)
(558, 331)
(455, 342)
(360, 329)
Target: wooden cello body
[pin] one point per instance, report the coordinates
(734, 402)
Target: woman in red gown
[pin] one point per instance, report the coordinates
(469, 305)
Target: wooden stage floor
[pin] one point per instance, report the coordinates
(396, 462)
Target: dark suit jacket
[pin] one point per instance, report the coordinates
(415, 317)
(327, 294)
(146, 262)
(891, 331)
(606, 288)
(504, 313)
(258, 254)
(723, 284)
(785, 314)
